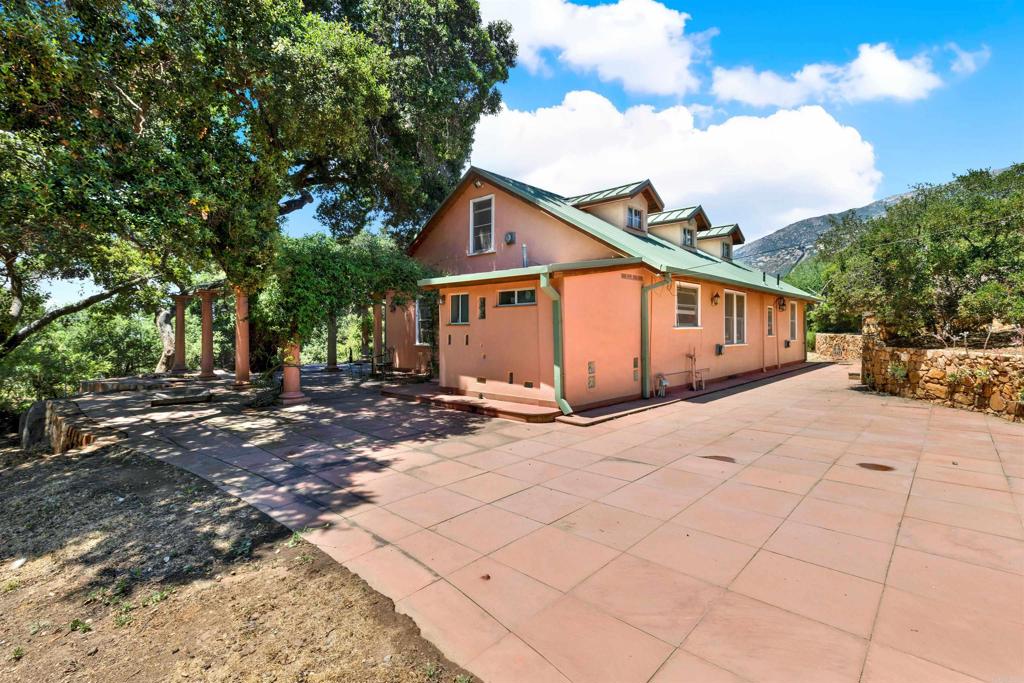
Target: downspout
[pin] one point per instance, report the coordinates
(558, 343)
(645, 334)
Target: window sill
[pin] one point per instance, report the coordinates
(481, 253)
(422, 344)
(513, 305)
(458, 324)
(685, 327)
(729, 346)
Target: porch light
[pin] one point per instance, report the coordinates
(715, 298)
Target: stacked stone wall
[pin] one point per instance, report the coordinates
(839, 347)
(971, 380)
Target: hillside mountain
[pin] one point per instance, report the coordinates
(780, 251)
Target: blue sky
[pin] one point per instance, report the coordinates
(701, 97)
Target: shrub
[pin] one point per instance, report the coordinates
(897, 371)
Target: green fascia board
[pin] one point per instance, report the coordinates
(527, 272)
(653, 251)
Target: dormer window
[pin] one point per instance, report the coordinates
(634, 218)
(727, 251)
(689, 237)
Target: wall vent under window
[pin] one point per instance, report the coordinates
(786, 343)
(449, 340)
(467, 340)
(719, 349)
(528, 385)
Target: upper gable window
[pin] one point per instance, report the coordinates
(688, 237)
(634, 218)
(481, 225)
(727, 251)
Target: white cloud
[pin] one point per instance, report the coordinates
(876, 73)
(762, 172)
(965, 62)
(638, 43)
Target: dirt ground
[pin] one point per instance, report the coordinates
(136, 571)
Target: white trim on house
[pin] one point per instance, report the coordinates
(472, 203)
(794, 317)
(451, 308)
(769, 324)
(694, 286)
(417, 320)
(737, 340)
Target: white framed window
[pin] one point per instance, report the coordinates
(735, 318)
(517, 297)
(424, 323)
(770, 322)
(793, 317)
(727, 251)
(687, 305)
(459, 309)
(689, 237)
(634, 218)
(481, 225)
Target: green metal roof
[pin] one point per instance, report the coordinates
(654, 252)
(613, 193)
(673, 216)
(526, 271)
(722, 231)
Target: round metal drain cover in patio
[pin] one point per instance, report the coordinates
(876, 467)
(723, 458)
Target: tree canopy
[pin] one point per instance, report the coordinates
(316, 276)
(142, 141)
(944, 260)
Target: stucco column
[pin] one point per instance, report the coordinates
(378, 333)
(241, 338)
(332, 344)
(206, 359)
(180, 302)
(291, 380)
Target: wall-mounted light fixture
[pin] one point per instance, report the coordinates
(715, 298)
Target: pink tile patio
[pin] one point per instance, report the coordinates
(733, 538)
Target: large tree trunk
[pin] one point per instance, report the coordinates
(166, 332)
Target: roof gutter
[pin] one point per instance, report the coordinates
(645, 333)
(745, 285)
(558, 343)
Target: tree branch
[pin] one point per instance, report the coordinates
(12, 342)
(295, 204)
(17, 286)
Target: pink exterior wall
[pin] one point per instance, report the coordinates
(670, 345)
(516, 339)
(400, 335)
(601, 323)
(446, 245)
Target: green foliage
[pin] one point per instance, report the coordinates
(315, 276)
(897, 371)
(143, 140)
(825, 316)
(955, 377)
(947, 259)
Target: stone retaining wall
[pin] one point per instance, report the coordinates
(971, 380)
(839, 346)
(61, 425)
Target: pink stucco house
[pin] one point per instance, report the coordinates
(576, 302)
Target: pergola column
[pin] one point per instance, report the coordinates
(332, 344)
(206, 359)
(378, 333)
(291, 377)
(241, 338)
(180, 302)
